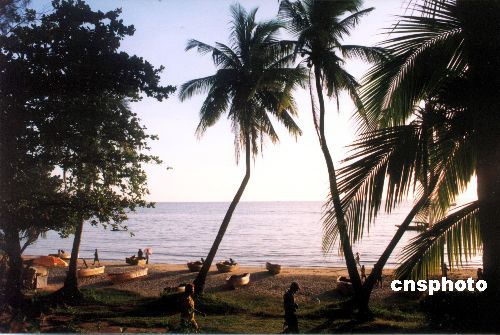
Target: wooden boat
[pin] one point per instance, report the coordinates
(49, 261)
(62, 255)
(88, 272)
(40, 270)
(135, 261)
(195, 266)
(175, 289)
(273, 268)
(418, 226)
(344, 285)
(125, 276)
(235, 281)
(226, 266)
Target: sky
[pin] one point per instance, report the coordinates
(205, 169)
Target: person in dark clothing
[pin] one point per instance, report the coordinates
(140, 254)
(291, 322)
(96, 258)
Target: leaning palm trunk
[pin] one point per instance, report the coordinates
(199, 282)
(379, 266)
(339, 213)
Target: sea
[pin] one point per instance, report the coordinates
(288, 233)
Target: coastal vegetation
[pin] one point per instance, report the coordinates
(72, 152)
(66, 128)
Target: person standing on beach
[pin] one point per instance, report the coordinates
(96, 258)
(444, 269)
(363, 273)
(291, 321)
(140, 254)
(187, 309)
(357, 259)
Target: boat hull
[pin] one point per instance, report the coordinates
(273, 268)
(344, 285)
(135, 261)
(88, 272)
(49, 261)
(126, 276)
(223, 268)
(195, 266)
(238, 281)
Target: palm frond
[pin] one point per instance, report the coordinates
(459, 232)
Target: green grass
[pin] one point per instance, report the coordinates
(227, 312)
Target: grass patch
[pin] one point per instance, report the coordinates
(112, 297)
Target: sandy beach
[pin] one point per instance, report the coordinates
(315, 282)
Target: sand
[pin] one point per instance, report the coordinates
(316, 283)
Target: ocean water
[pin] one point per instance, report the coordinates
(289, 233)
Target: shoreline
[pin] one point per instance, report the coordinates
(316, 282)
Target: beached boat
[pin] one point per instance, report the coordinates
(226, 266)
(344, 285)
(88, 272)
(195, 266)
(273, 268)
(181, 288)
(235, 281)
(125, 276)
(418, 226)
(49, 261)
(135, 261)
(62, 255)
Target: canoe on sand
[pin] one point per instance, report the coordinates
(226, 266)
(49, 261)
(194, 266)
(88, 272)
(62, 255)
(273, 268)
(235, 281)
(124, 276)
(344, 285)
(135, 261)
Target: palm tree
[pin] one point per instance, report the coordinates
(447, 57)
(319, 27)
(429, 157)
(254, 80)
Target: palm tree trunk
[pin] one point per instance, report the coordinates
(379, 266)
(70, 289)
(199, 282)
(339, 213)
(14, 283)
(483, 43)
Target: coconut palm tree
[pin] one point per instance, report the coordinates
(254, 80)
(319, 27)
(445, 56)
(431, 158)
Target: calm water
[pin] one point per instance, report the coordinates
(288, 233)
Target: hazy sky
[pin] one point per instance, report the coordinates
(205, 169)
